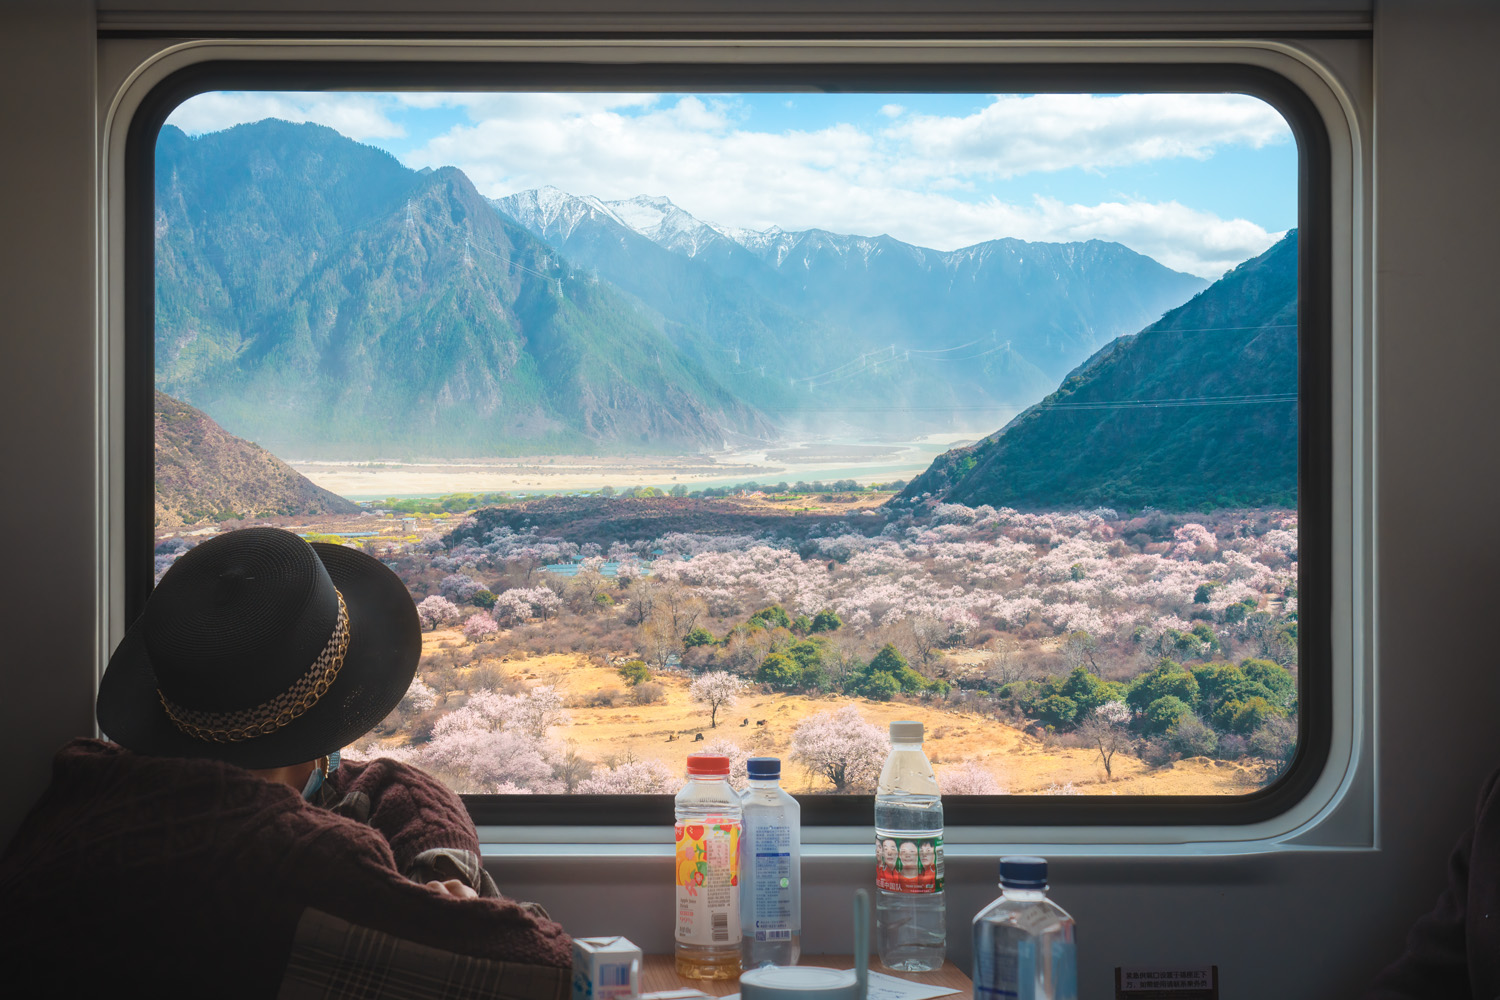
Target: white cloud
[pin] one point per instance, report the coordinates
(358, 116)
(846, 179)
(484, 106)
(1182, 238)
(1016, 135)
(919, 177)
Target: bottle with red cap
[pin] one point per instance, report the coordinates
(707, 861)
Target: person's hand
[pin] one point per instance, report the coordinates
(452, 888)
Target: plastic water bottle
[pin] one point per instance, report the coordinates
(707, 863)
(1024, 946)
(770, 869)
(909, 919)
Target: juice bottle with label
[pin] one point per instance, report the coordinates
(706, 861)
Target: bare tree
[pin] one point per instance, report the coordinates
(643, 595)
(761, 643)
(1006, 665)
(927, 634)
(1079, 649)
(528, 560)
(658, 644)
(681, 607)
(588, 583)
(572, 769)
(843, 656)
(739, 655)
(1105, 730)
(675, 611)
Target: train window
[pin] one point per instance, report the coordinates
(749, 418)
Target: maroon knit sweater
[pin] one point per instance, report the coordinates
(188, 877)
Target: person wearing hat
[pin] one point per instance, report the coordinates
(215, 846)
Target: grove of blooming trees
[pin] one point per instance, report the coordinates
(1155, 635)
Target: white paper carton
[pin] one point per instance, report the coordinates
(606, 968)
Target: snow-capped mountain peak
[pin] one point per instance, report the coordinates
(554, 212)
(664, 223)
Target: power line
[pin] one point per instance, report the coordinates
(1225, 329)
(862, 360)
(944, 350)
(1258, 398)
(1269, 397)
(1002, 347)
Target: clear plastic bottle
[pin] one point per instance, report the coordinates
(707, 863)
(909, 918)
(1024, 945)
(770, 869)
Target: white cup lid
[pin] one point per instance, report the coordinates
(798, 982)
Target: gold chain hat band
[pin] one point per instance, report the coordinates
(232, 727)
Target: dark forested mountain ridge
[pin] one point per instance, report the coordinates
(204, 473)
(1197, 410)
(407, 318)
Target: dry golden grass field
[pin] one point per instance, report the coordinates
(666, 731)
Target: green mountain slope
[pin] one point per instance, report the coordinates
(411, 319)
(204, 473)
(1197, 410)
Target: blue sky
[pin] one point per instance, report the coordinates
(1200, 182)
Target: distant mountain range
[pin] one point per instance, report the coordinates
(204, 473)
(316, 296)
(814, 322)
(1197, 410)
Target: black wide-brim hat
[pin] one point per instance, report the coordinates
(262, 650)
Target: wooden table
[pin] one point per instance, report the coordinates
(659, 972)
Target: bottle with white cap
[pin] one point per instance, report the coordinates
(909, 910)
(1024, 945)
(770, 869)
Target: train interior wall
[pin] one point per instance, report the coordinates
(1315, 923)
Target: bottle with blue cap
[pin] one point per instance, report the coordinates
(770, 869)
(1024, 945)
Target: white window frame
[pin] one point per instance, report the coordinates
(1336, 814)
